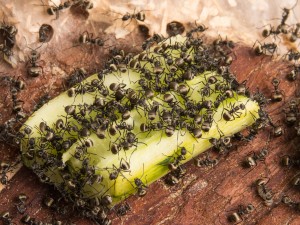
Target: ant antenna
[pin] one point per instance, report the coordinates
(30, 47)
(294, 5)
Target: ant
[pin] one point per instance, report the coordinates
(34, 70)
(237, 217)
(76, 77)
(6, 218)
(124, 166)
(199, 28)
(177, 160)
(272, 31)
(85, 4)
(21, 207)
(277, 130)
(292, 76)
(221, 145)
(55, 10)
(220, 42)
(251, 161)
(8, 33)
(292, 112)
(264, 192)
(282, 26)
(293, 55)
(123, 209)
(277, 95)
(207, 161)
(232, 113)
(87, 38)
(266, 48)
(156, 38)
(129, 140)
(141, 187)
(295, 33)
(288, 201)
(222, 97)
(290, 161)
(139, 16)
(5, 49)
(5, 168)
(42, 101)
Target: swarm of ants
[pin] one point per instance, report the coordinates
(216, 55)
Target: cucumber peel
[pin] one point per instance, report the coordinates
(121, 130)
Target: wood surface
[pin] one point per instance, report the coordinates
(205, 195)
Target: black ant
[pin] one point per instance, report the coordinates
(16, 86)
(123, 209)
(266, 48)
(85, 4)
(6, 218)
(129, 140)
(8, 33)
(156, 38)
(123, 167)
(199, 28)
(178, 159)
(293, 55)
(87, 38)
(282, 27)
(290, 161)
(237, 217)
(233, 112)
(42, 101)
(221, 145)
(292, 76)
(55, 10)
(77, 76)
(288, 201)
(277, 130)
(277, 95)
(139, 16)
(292, 112)
(21, 207)
(285, 15)
(141, 187)
(264, 192)
(272, 31)
(295, 33)
(34, 70)
(8, 55)
(251, 161)
(219, 42)
(207, 161)
(5, 168)
(222, 97)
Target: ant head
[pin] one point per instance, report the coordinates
(126, 16)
